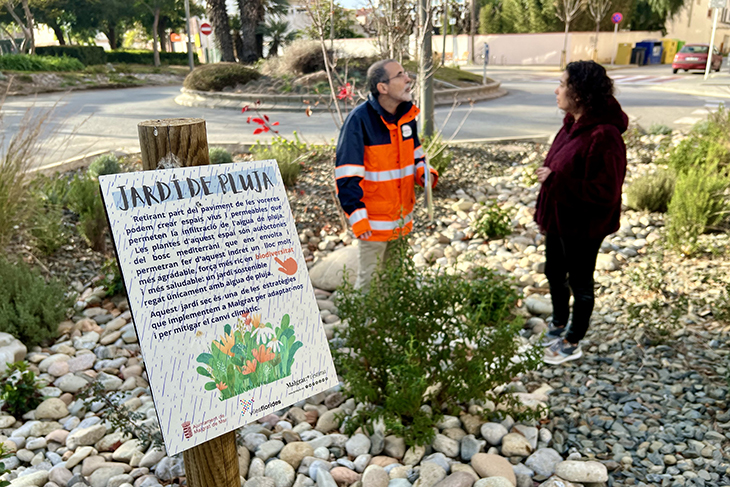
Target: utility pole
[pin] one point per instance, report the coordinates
(425, 67)
(191, 61)
(472, 30)
(716, 5)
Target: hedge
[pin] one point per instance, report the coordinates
(146, 57)
(86, 54)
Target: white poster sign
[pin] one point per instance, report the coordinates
(219, 291)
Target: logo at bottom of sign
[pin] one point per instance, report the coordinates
(246, 405)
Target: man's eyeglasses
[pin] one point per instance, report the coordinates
(402, 74)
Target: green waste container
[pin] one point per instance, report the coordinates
(623, 53)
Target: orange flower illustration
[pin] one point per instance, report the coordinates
(250, 367)
(263, 354)
(225, 344)
(256, 320)
(221, 386)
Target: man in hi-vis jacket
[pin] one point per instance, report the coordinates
(379, 158)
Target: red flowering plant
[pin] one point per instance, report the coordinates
(262, 120)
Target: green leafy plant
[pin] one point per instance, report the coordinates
(659, 129)
(30, 307)
(423, 338)
(252, 354)
(23, 62)
(20, 390)
(437, 153)
(493, 221)
(529, 174)
(700, 203)
(289, 155)
(84, 199)
(121, 418)
(651, 192)
(218, 155)
(113, 281)
(103, 165)
(88, 55)
(3, 454)
(707, 144)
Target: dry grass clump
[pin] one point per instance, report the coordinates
(300, 57)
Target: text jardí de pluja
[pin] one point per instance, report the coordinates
(190, 187)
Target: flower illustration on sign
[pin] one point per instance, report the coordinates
(252, 355)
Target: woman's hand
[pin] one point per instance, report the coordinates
(542, 174)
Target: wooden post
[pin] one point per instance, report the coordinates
(173, 142)
(182, 142)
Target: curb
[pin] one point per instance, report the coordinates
(193, 98)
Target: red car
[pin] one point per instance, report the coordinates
(694, 56)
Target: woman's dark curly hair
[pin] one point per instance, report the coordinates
(589, 84)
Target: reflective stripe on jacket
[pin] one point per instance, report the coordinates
(379, 157)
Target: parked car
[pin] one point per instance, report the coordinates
(694, 56)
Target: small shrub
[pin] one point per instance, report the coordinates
(493, 221)
(30, 307)
(659, 129)
(302, 57)
(121, 418)
(112, 282)
(699, 203)
(84, 199)
(218, 155)
(289, 155)
(529, 174)
(103, 165)
(437, 153)
(651, 192)
(87, 55)
(421, 338)
(48, 229)
(20, 390)
(215, 77)
(23, 62)
(707, 143)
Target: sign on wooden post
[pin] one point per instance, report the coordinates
(219, 291)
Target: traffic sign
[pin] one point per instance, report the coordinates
(175, 37)
(206, 29)
(617, 18)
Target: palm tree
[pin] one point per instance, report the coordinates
(218, 14)
(252, 14)
(276, 31)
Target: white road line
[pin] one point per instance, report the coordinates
(688, 120)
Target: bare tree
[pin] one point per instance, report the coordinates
(567, 10)
(598, 9)
(393, 21)
(25, 27)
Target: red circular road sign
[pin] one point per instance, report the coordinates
(206, 29)
(617, 18)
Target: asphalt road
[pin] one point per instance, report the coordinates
(102, 120)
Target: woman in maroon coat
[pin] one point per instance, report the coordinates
(580, 199)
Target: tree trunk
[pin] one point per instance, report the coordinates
(564, 60)
(222, 29)
(30, 26)
(155, 47)
(249, 22)
(274, 47)
(58, 31)
(595, 45)
(238, 44)
(161, 34)
(111, 34)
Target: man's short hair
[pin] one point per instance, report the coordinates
(378, 74)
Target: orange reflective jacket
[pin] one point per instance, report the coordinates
(379, 157)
